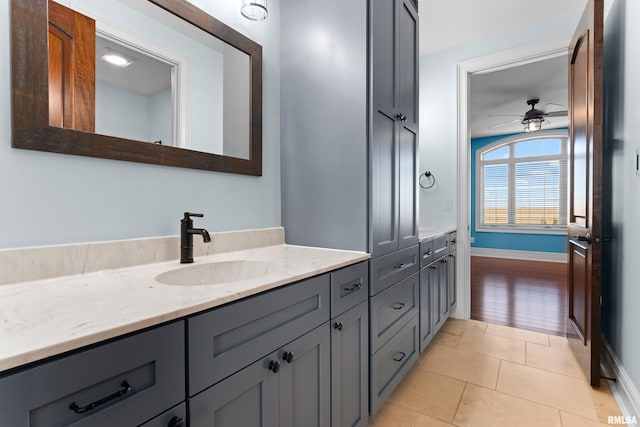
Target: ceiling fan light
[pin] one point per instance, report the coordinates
(532, 125)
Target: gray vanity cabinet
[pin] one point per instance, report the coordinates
(127, 381)
(451, 269)
(428, 276)
(437, 284)
(394, 136)
(226, 339)
(289, 387)
(350, 346)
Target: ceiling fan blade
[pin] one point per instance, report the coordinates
(505, 115)
(562, 113)
(504, 124)
(544, 107)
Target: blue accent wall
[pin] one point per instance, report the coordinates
(510, 241)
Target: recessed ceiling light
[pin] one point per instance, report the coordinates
(116, 58)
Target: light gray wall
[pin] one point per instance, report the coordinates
(121, 112)
(438, 112)
(621, 270)
(49, 198)
(160, 123)
(324, 126)
(237, 97)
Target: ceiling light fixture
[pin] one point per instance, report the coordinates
(116, 58)
(533, 125)
(255, 10)
(533, 118)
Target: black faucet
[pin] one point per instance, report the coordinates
(186, 237)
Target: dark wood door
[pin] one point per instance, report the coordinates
(72, 59)
(585, 189)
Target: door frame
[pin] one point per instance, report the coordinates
(521, 55)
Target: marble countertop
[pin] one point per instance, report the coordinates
(428, 233)
(48, 317)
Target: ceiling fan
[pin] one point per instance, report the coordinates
(533, 118)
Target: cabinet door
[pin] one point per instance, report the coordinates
(384, 176)
(407, 120)
(304, 390)
(451, 278)
(350, 368)
(426, 328)
(248, 398)
(434, 284)
(444, 287)
(407, 187)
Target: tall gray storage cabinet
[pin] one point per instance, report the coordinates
(349, 153)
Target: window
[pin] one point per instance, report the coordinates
(522, 184)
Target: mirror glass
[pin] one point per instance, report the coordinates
(153, 81)
(157, 78)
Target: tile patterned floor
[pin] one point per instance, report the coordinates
(483, 375)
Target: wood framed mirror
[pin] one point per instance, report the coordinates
(35, 128)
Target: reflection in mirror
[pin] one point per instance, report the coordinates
(196, 96)
(130, 89)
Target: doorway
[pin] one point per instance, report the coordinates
(544, 50)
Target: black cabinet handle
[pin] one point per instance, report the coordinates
(177, 422)
(444, 261)
(428, 253)
(453, 240)
(400, 266)
(401, 117)
(399, 359)
(398, 306)
(433, 266)
(353, 288)
(338, 326)
(287, 356)
(274, 366)
(126, 388)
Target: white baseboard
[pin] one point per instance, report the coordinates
(623, 389)
(524, 255)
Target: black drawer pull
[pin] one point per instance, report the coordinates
(453, 240)
(338, 326)
(287, 356)
(427, 253)
(433, 266)
(444, 261)
(399, 359)
(398, 306)
(401, 266)
(353, 288)
(274, 366)
(126, 388)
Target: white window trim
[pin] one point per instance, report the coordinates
(517, 229)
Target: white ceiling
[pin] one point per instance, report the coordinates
(448, 23)
(506, 92)
(445, 24)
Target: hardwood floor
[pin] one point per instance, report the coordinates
(523, 294)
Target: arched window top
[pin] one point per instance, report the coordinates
(538, 144)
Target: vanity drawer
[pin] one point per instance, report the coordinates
(426, 253)
(453, 239)
(440, 246)
(227, 339)
(390, 364)
(390, 269)
(349, 287)
(391, 310)
(129, 381)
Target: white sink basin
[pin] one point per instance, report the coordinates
(215, 273)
